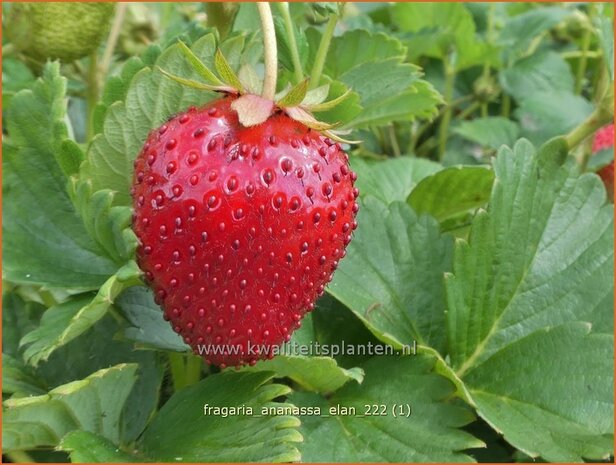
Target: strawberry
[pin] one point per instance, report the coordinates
(60, 30)
(240, 228)
(604, 139)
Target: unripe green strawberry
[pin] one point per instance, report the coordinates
(64, 31)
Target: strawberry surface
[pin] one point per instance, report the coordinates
(240, 228)
(604, 138)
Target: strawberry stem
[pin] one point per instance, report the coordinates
(185, 369)
(176, 364)
(288, 25)
(270, 51)
(594, 122)
(319, 61)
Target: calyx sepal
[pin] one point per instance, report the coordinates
(298, 102)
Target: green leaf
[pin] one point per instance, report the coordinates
(18, 318)
(541, 72)
(237, 50)
(544, 115)
(87, 447)
(440, 29)
(357, 47)
(93, 404)
(70, 157)
(392, 179)
(452, 191)
(492, 131)
(332, 323)
(519, 31)
(44, 239)
(552, 382)
(247, 17)
(20, 379)
(117, 86)
(319, 374)
(418, 102)
(325, 8)
(109, 226)
(150, 99)
(540, 256)
(212, 438)
(149, 329)
(16, 76)
(398, 94)
(392, 277)
(430, 434)
(64, 322)
(83, 355)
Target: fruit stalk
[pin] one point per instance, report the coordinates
(178, 371)
(592, 124)
(270, 51)
(185, 369)
(319, 61)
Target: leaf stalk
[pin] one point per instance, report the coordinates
(319, 61)
(288, 25)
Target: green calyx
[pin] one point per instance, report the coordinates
(297, 101)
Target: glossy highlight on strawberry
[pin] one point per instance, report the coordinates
(240, 228)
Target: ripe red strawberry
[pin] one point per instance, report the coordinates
(240, 228)
(604, 139)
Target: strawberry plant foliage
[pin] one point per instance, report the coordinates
(452, 192)
(45, 240)
(91, 404)
(517, 309)
(390, 381)
(401, 258)
(483, 239)
(392, 179)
